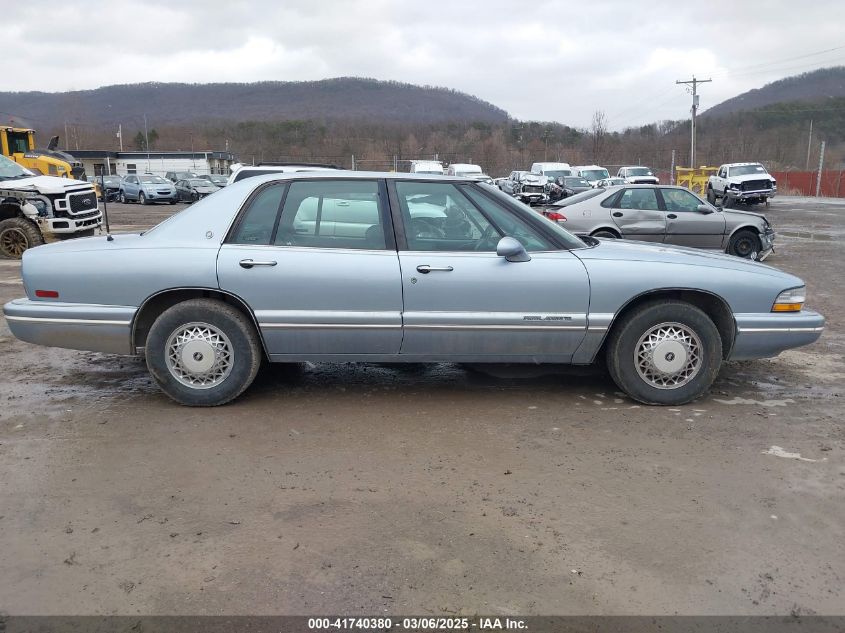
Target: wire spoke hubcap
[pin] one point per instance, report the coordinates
(668, 355)
(199, 355)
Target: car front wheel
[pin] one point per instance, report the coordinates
(744, 244)
(142, 199)
(711, 196)
(666, 352)
(203, 353)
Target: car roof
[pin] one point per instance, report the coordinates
(357, 175)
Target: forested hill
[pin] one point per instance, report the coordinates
(817, 86)
(344, 98)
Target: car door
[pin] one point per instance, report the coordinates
(131, 188)
(686, 225)
(317, 290)
(637, 214)
(180, 193)
(461, 300)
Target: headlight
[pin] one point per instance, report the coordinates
(733, 186)
(791, 300)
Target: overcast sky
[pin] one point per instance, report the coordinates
(556, 61)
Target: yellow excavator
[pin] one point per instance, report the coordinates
(19, 145)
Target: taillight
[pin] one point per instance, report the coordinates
(47, 294)
(554, 216)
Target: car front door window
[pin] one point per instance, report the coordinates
(678, 200)
(438, 217)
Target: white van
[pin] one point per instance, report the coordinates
(591, 173)
(426, 167)
(552, 171)
(464, 169)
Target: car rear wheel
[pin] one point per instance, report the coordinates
(666, 352)
(203, 353)
(744, 244)
(605, 233)
(17, 235)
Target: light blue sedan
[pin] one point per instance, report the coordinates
(356, 266)
(147, 189)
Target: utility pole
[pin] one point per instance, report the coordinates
(694, 82)
(120, 135)
(809, 146)
(819, 175)
(147, 142)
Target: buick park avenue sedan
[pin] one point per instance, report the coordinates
(357, 266)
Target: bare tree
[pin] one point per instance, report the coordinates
(598, 134)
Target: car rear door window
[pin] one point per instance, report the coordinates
(643, 199)
(258, 221)
(333, 214)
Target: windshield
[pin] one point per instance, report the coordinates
(433, 173)
(219, 179)
(199, 182)
(153, 180)
(111, 180)
(639, 171)
(579, 197)
(595, 174)
(468, 174)
(10, 169)
(557, 173)
(746, 170)
(575, 181)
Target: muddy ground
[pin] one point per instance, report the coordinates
(359, 489)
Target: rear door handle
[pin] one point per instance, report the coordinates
(249, 263)
(425, 269)
(617, 214)
(672, 216)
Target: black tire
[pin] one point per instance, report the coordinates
(711, 196)
(142, 199)
(122, 197)
(673, 321)
(727, 201)
(239, 338)
(605, 233)
(744, 243)
(173, 201)
(17, 235)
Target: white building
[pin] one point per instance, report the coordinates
(97, 162)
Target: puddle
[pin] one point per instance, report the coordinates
(777, 451)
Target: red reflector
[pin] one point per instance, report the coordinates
(47, 294)
(554, 216)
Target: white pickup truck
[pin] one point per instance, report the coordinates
(34, 208)
(748, 183)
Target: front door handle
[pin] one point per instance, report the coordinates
(618, 214)
(249, 263)
(672, 216)
(425, 269)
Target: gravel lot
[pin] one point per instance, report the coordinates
(359, 489)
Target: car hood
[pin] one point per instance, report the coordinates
(748, 177)
(628, 250)
(45, 184)
(739, 215)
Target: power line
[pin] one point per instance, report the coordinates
(780, 61)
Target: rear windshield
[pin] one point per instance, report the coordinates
(579, 197)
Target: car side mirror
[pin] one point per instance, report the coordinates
(512, 250)
(706, 209)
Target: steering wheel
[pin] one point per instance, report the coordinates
(486, 235)
(421, 228)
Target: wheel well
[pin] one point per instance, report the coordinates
(9, 211)
(153, 307)
(713, 306)
(752, 229)
(607, 230)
